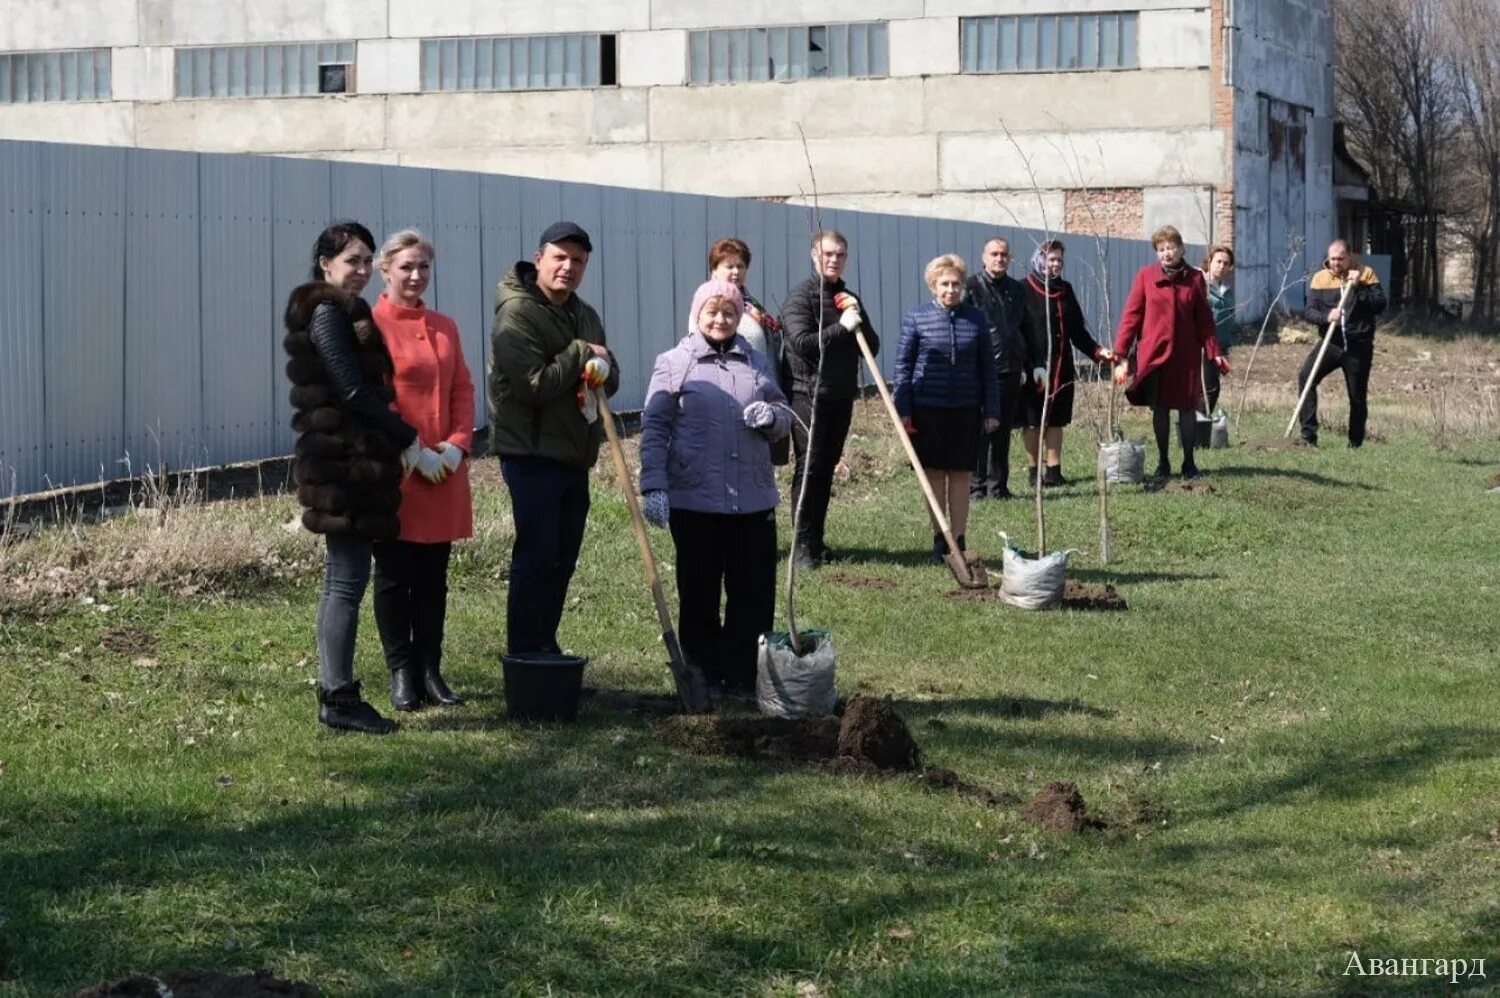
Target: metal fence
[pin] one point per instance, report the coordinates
(143, 321)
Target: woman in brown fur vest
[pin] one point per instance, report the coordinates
(352, 450)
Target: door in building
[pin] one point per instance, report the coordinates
(1285, 142)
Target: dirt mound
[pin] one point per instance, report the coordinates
(1082, 596)
(200, 984)
(873, 731)
(808, 739)
(1059, 807)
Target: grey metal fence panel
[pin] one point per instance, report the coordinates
(163, 338)
(149, 320)
(23, 429)
(460, 289)
(240, 347)
(84, 300)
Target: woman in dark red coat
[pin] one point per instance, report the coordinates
(1167, 320)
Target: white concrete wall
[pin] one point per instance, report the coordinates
(927, 140)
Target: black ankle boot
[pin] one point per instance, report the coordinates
(345, 710)
(1190, 470)
(959, 540)
(1163, 470)
(1031, 476)
(437, 689)
(939, 549)
(1053, 475)
(406, 688)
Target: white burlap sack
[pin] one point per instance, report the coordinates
(792, 685)
(1123, 462)
(1032, 583)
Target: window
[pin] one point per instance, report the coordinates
(798, 52)
(1049, 43)
(266, 70)
(30, 77)
(522, 62)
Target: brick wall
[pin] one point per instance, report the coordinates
(1105, 211)
(1223, 117)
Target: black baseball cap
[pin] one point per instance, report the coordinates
(563, 232)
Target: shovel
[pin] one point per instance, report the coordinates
(692, 688)
(956, 563)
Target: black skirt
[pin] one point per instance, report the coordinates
(1059, 410)
(946, 439)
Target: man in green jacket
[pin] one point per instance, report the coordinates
(547, 353)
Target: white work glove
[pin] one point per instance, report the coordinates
(850, 319)
(410, 455)
(759, 415)
(656, 507)
(1039, 375)
(430, 466)
(452, 456)
(596, 372)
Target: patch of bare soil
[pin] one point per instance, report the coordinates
(870, 737)
(1274, 445)
(947, 779)
(200, 984)
(1076, 596)
(1183, 486)
(807, 739)
(127, 641)
(856, 581)
(1082, 596)
(1059, 807)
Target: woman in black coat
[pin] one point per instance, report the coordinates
(352, 450)
(1051, 306)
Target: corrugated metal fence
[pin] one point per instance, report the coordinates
(143, 320)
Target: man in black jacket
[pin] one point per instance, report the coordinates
(1002, 299)
(818, 319)
(1353, 345)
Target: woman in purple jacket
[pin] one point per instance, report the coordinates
(712, 412)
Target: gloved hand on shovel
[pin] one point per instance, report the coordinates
(850, 316)
(1122, 373)
(595, 372)
(1039, 377)
(1222, 363)
(656, 508)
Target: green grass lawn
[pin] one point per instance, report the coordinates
(1303, 686)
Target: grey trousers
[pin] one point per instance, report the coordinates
(346, 574)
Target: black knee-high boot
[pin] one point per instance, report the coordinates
(1161, 424)
(1187, 431)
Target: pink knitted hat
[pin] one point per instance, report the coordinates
(713, 289)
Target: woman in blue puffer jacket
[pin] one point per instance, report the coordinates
(945, 381)
(713, 409)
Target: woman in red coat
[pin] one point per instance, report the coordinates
(1167, 320)
(436, 395)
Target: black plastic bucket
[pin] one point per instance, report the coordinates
(543, 687)
(1204, 431)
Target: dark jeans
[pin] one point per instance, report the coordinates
(550, 503)
(346, 572)
(411, 602)
(830, 428)
(735, 553)
(1355, 362)
(992, 471)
